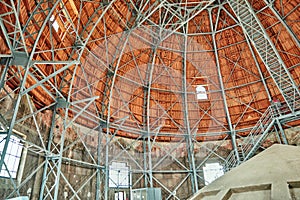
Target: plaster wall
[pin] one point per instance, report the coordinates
(273, 174)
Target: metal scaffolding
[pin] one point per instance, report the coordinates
(78, 121)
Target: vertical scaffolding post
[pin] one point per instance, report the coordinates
(62, 144)
(189, 136)
(106, 167)
(232, 132)
(14, 117)
(4, 72)
(50, 139)
(145, 93)
(283, 137)
(24, 62)
(146, 118)
(98, 179)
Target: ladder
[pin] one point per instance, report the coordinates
(253, 28)
(251, 143)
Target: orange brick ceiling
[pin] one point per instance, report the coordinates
(145, 63)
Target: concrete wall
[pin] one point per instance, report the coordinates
(273, 174)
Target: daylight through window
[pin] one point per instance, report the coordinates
(119, 175)
(12, 156)
(54, 23)
(201, 92)
(212, 171)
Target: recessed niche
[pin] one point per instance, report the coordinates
(249, 193)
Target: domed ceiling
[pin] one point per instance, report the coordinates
(165, 68)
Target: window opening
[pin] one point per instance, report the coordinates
(201, 92)
(119, 175)
(212, 171)
(12, 157)
(54, 23)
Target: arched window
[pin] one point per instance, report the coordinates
(201, 92)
